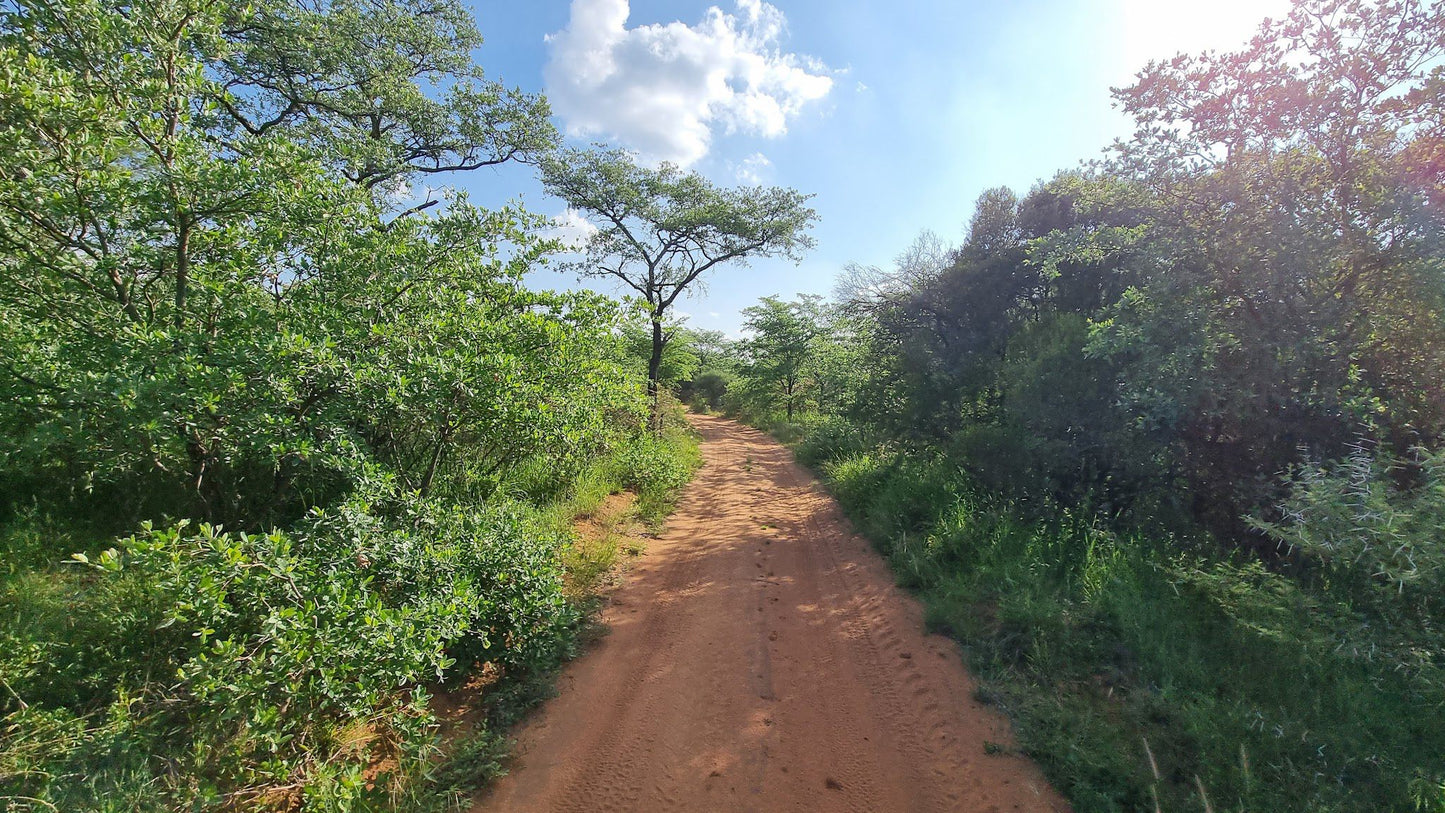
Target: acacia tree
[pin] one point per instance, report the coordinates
(660, 230)
(385, 90)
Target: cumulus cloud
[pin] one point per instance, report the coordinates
(571, 228)
(752, 170)
(664, 89)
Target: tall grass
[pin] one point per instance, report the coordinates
(1145, 671)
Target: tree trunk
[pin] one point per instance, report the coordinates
(654, 367)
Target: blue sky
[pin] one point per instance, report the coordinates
(894, 115)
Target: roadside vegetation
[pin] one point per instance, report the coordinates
(291, 459)
(1161, 442)
(288, 453)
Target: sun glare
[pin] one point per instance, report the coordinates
(1158, 30)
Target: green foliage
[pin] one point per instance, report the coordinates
(219, 325)
(333, 408)
(241, 661)
(1368, 533)
(657, 467)
(661, 230)
(799, 362)
(827, 441)
(1113, 651)
(384, 90)
(1160, 442)
(776, 353)
(679, 360)
(1304, 296)
(709, 388)
(1359, 522)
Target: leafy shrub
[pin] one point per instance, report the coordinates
(855, 477)
(830, 439)
(254, 659)
(1118, 654)
(709, 389)
(656, 468)
(1352, 517)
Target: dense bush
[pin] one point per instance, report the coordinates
(1161, 440)
(829, 439)
(656, 467)
(341, 420)
(242, 662)
(1131, 668)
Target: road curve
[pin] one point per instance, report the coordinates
(760, 659)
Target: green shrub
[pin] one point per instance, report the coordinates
(854, 477)
(657, 469)
(1354, 519)
(709, 388)
(240, 662)
(1118, 653)
(831, 438)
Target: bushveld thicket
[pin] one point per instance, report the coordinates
(281, 426)
(1161, 442)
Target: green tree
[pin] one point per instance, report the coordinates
(714, 349)
(779, 348)
(680, 358)
(174, 281)
(1297, 293)
(660, 230)
(215, 306)
(717, 368)
(384, 89)
(833, 361)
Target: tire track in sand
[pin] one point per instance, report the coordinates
(759, 658)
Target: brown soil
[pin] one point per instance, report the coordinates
(760, 658)
(612, 517)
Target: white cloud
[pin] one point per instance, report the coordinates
(664, 89)
(752, 170)
(571, 228)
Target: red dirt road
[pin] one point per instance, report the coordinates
(761, 659)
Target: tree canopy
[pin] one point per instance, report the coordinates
(276, 437)
(1161, 441)
(659, 231)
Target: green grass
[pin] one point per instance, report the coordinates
(1145, 671)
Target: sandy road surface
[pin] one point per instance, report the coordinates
(761, 659)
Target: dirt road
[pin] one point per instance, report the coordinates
(761, 659)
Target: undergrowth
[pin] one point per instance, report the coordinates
(1147, 671)
(191, 667)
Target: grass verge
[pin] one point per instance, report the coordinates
(1144, 671)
